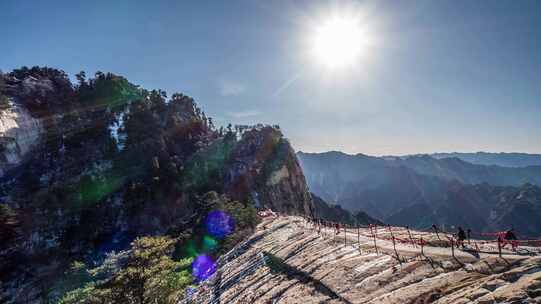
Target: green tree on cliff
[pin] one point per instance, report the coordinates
(4, 102)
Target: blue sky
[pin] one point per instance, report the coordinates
(437, 76)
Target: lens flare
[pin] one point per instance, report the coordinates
(190, 249)
(209, 244)
(219, 224)
(203, 267)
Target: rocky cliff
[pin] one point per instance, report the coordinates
(286, 261)
(90, 167)
(265, 168)
(19, 134)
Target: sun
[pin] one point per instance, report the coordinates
(337, 42)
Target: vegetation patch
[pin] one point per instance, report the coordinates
(205, 171)
(148, 275)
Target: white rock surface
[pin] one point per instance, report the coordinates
(19, 134)
(320, 269)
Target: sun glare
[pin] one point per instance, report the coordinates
(337, 42)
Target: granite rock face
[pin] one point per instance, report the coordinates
(264, 167)
(19, 134)
(307, 267)
(99, 163)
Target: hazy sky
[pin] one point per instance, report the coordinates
(434, 75)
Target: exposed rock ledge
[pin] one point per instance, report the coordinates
(19, 133)
(286, 263)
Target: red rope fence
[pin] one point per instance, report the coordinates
(421, 238)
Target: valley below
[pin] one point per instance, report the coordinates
(423, 190)
(112, 193)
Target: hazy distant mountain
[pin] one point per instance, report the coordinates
(498, 159)
(335, 171)
(422, 190)
(336, 213)
(481, 207)
(466, 172)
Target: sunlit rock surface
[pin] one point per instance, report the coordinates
(264, 166)
(284, 262)
(19, 133)
(102, 162)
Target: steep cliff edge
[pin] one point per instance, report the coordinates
(265, 168)
(101, 163)
(286, 261)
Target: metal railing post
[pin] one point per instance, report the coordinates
(345, 241)
(359, 236)
(335, 231)
(411, 238)
(422, 247)
(499, 246)
(375, 235)
(394, 244)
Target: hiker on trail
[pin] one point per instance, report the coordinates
(337, 226)
(436, 230)
(468, 235)
(510, 237)
(460, 236)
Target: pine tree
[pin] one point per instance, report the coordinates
(4, 101)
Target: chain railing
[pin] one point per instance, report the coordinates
(421, 238)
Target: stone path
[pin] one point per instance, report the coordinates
(288, 263)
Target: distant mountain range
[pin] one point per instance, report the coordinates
(498, 159)
(422, 190)
(335, 213)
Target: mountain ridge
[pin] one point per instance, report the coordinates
(502, 159)
(448, 168)
(107, 180)
(420, 190)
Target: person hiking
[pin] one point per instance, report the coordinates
(436, 230)
(460, 236)
(337, 226)
(511, 238)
